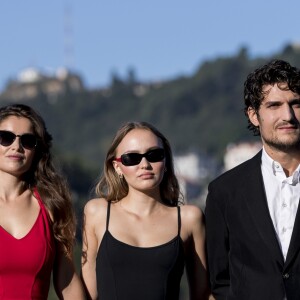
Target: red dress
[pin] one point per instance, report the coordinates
(26, 263)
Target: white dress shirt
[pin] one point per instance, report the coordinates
(283, 197)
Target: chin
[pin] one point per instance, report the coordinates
(284, 145)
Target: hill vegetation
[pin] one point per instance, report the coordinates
(202, 113)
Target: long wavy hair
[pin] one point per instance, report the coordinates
(113, 188)
(42, 174)
(277, 72)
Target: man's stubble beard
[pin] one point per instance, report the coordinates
(284, 146)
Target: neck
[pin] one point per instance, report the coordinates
(140, 203)
(11, 187)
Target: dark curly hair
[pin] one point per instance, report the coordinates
(275, 72)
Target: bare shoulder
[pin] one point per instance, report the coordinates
(191, 213)
(93, 205)
(192, 217)
(95, 208)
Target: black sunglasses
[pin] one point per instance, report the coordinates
(28, 140)
(132, 159)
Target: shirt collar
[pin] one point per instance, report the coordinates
(276, 169)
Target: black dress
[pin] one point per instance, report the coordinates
(126, 272)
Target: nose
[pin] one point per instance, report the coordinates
(17, 143)
(288, 113)
(145, 163)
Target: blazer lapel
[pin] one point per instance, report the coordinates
(258, 207)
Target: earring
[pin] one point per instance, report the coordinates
(121, 176)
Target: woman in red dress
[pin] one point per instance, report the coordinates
(37, 223)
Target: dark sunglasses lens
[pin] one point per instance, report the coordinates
(155, 155)
(28, 141)
(131, 159)
(6, 138)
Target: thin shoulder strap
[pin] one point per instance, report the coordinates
(40, 201)
(46, 218)
(179, 220)
(108, 214)
(44, 211)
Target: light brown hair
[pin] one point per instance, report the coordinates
(113, 188)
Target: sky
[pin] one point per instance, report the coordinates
(159, 39)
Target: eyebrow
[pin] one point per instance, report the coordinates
(296, 100)
(292, 101)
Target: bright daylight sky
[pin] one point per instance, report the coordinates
(160, 39)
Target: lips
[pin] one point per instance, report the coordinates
(16, 157)
(287, 126)
(146, 175)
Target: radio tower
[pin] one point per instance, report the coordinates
(68, 38)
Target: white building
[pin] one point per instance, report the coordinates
(237, 153)
(192, 171)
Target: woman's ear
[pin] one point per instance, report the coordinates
(117, 168)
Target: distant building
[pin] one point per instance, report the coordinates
(29, 75)
(237, 153)
(192, 171)
(31, 82)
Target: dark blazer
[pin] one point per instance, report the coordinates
(244, 257)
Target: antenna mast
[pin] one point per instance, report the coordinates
(68, 38)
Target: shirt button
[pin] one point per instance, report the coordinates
(286, 275)
(283, 229)
(283, 204)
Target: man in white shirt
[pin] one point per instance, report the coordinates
(252, 218)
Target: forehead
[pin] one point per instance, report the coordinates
(16, 124)
(139, 140)
(278, 92)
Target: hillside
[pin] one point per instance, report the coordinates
(201, 113)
